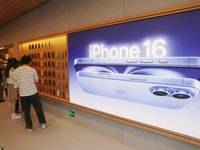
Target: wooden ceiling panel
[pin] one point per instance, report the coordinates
(10, 9)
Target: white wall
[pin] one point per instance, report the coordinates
(59, 15)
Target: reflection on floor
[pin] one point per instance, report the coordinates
(60, 135)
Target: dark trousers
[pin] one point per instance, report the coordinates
(26, 103)
(17, 106)
(1, 90)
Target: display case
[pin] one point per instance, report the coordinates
(49, 58)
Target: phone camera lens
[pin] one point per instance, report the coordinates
(160, 91)
(181, 95)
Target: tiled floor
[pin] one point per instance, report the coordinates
(60, 135)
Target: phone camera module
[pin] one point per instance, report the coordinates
(160, 91)
(181, 95)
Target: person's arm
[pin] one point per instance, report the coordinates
(35, 76)
(14, 76)
(2, 72)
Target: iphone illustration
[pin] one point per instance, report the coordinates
(191, 62)
(169, 82)
(166, 92)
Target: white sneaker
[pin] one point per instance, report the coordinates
(44, 125)
(15, 116)
(29, 130)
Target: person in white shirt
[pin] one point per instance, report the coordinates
(9, 71)
(25, 78)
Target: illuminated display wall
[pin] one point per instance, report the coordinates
(145, 70)
(49, 58)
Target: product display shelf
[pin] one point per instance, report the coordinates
(49, 58)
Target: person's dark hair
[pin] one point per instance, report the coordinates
(13, 60)
(25, 59)
(11, 63)
(18, 63)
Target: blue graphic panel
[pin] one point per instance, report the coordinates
(150, 66)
